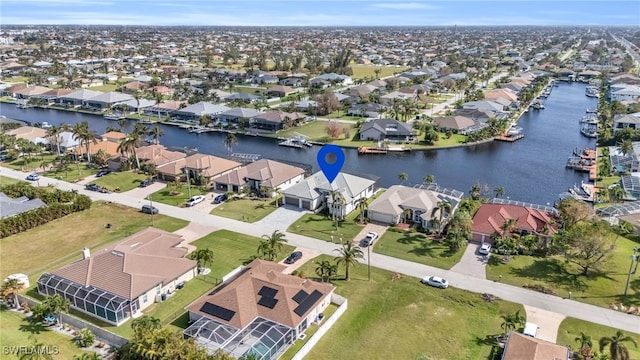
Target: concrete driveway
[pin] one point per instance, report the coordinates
(193, 232)
(472, 263)
(142, 193)
(548, 322)
(282, 217)
(307, 255)
(378, 228)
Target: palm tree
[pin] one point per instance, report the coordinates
(626, 147)
(229, 141)
(337, 204)
(10, 290)
(144, 325)
(28, 353)
(349, 255)
(89, 137)
(278, 192)
(53, 133)
(475, 192)
(499, 191)
(326, 270)
(403, 176)
(617, 348)
(128, 146)
(440, 209)
(509, 226)
(56, 304)
(429, 179)
(87, 356)
(363, 206)
(584, 340)
(78, 131)
(156, 133)
(202, 257)
(272, 244)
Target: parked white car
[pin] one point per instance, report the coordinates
(195, 200)
(435, 281)
(33, 177)
(485, 249)
(370, 238)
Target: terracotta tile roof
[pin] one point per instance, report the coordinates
(241, 295)
(209, 165)
(28, 132)
(114, 136)
(134, 265)
(109, 147)
(173, 168)
(521, 347)
(490, 217)
(158, 154)
(269, 172)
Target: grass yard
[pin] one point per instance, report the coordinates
(319, 226)
(363, 71)
(555, 274)
(7, 180)
(16, 79)
(570, 329)
(52, 245)
(245, 209)
(126, 180)
(416, 247)
(404, 319)
(105, 88)
(16, 330)
(164, 196)
(34, 163)
(72, 174)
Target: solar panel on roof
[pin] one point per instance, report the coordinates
(300, 296)
(268, 302)
(217, 311)
(268, 292)
(308, 303)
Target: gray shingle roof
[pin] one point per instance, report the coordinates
(11, 207)
(203, 108)
(317, 184)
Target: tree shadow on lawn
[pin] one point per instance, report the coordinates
(633, 294)
(33, 327)
(552, 271)
(411, 239)
(425, 248)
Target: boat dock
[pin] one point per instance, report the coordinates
(508, 138)
(366, 150)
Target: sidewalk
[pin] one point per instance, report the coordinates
(591, 313)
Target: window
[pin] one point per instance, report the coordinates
(158, 289)
(144, 298)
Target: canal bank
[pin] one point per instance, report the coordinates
(531, 169)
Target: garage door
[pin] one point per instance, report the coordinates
(381, 218)
(306, 204)
(291, 201)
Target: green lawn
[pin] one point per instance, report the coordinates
(416, 247)
(59, 242)
(16, 79)
(554, 273)
(319, 226)
(105, 88)
(74, 173)
(125, 180)
(245, 209)
(361, 71)
(16, 330)
(7, 180)
(164, 195)
(33, 163)
(403, 319)
(570, 328)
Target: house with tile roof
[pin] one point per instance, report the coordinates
(522, 347)
(31, 133)
(196, 111)
(275, 120)
(257, 309)
(238, 115)
(416, 205)
(315, 192)
(208, 166)
(120, 281)
(621, 121)
(459, 124)
(106, 100)
(76, 98)
(530, 218)
(158, 154)
(264, 172)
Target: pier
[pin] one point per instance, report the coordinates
(508, 138)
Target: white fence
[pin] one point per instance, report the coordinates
(328, 323)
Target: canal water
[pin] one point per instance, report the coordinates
(531, 169)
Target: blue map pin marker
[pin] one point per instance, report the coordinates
(330, 160)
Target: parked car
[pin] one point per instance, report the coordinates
(103, 172)
(435, 281)
(93, 187)
(220, 198)
(33, 177)
(148, 209)
(146, 182)
(485, 249)
(370, 238)
(195, 200)
(295, 256)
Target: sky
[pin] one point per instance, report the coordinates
(319, 12)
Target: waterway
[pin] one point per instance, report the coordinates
(531, 169)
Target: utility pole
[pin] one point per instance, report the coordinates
(152, 213)
(626, 287)
(188, 182)
(369, 261)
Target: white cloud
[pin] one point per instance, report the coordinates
(404, 6)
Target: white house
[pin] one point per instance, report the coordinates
(315, 191)
(624, 92)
